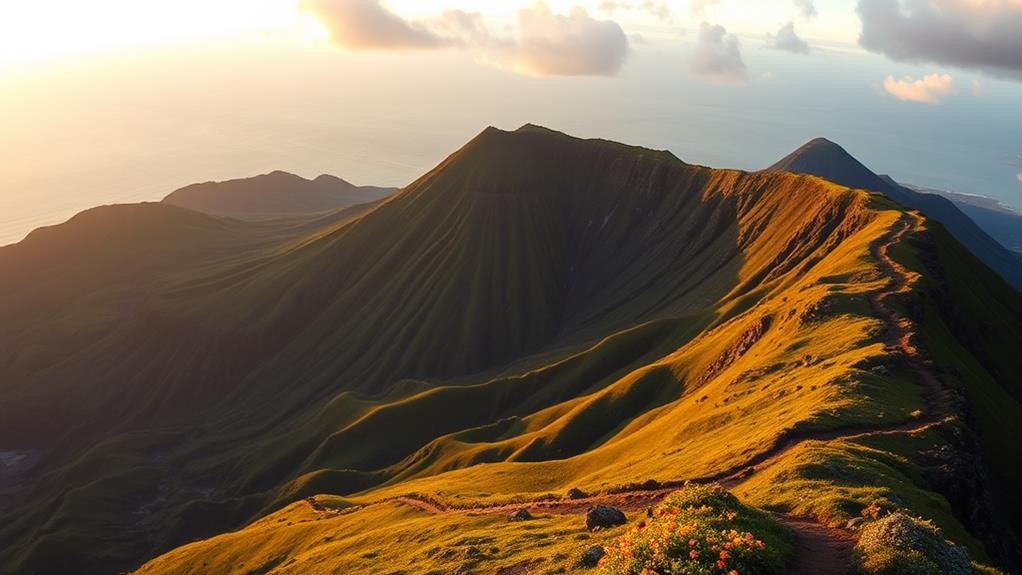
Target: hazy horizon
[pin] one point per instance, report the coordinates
(132, 122)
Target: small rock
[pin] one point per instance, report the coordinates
(520, 515)
(591, 557)
(473, 552)
(464, 568)
(576, 493)
(855, 524)
(603, 516)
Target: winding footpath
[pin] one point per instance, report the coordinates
(819, 550)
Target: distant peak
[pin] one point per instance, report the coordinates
(821, 141)
(821, 144)
(282, 174)
(330, 179)
(826, 159)
(536, 128)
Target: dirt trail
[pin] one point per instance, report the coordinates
(820, 550)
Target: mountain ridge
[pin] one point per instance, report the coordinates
(536, 313)
(275, 194)
(826, 159)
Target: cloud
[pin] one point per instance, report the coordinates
(807, 8)
(927, 89)
(368, 25)
(718, 56)
(659, 9)
(548, 44)
(976, 34)
(788, 40)
(1019, 176)
(575, 44)
(698, 7)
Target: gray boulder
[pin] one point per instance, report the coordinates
(604, 516)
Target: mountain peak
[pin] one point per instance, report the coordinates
(826, 159)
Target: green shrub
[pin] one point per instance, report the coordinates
(901, 545)
(700, 530)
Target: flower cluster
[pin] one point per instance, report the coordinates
(696, 531)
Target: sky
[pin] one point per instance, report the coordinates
(108, 101)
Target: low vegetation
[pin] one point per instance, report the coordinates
(898, 544)
(700, 531)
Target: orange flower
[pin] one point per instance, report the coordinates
(692, 554)
(724, 555)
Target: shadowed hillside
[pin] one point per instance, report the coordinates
(537, 313)
(275, 194)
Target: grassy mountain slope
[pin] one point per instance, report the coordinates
(537, 313)
(274, 195)
(826, 159)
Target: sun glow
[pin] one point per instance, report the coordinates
(42, 30)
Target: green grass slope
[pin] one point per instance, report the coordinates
(537, 313)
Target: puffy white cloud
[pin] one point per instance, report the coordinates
(718, 56)
(573, 44)
(1019, 176)
(928, 89)
(788, 40)
(807, 8)
(368, 25)
(977, 34)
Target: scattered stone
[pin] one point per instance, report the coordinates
(473, 552)
(448, 553)
(576, 493)
(855, 524)
(591, 557)
(464, 568)
(604, 516)
(520, 515)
